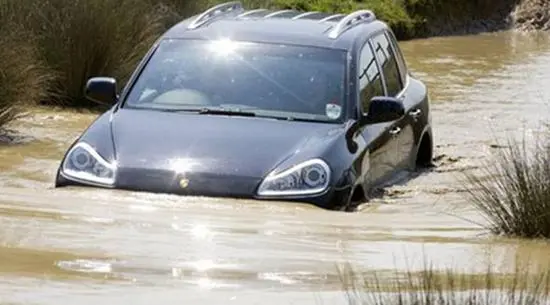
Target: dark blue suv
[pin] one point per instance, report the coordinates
(271, 105)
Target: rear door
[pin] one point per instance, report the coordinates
(413, 106)
(379, 161)
(396, 86)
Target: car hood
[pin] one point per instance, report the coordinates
(225, 145)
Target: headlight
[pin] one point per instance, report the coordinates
(84, 164)
(308, 178)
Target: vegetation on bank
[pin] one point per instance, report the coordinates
(513, 190)
(50, 48)
(408, 18)
(23, 75)
(431, 287)
(532, 15)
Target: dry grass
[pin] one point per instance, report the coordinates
(81, 39)
(23, 75)
(513, 191)
(431, 287)
(532, 15)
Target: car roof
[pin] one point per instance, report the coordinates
(282, 27)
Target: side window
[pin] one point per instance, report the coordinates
(370, 80)
(388, 61)
(399, 54)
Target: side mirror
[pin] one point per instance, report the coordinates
(384, 109)
(102, 90)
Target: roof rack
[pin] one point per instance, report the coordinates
(252, 12)
(328, 18)
(351, 20)
(305, 14)
(278, 13)
(213, 12)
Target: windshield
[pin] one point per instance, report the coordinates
(280, 81)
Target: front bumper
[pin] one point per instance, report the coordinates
(206, 184)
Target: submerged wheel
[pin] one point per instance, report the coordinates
(425, 153)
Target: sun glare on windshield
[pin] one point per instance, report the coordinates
(280, 81)
(222, 47)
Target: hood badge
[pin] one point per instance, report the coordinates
(184, 182)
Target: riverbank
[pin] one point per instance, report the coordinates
(411, 19)
(532, 15)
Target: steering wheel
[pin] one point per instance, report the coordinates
(182, 97)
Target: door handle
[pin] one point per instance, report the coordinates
(416, 113)
(395, 131)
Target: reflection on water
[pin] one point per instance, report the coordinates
(89, 245)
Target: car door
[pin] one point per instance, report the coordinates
(402, 131)
(380, 157)
(412, 122)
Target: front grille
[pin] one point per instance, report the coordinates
(145, 179)
(200, 184)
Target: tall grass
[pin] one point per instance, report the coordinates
(80, 39)
(23, 75)
(513, 190)
(431, 287)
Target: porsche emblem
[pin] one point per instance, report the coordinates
(184, 183)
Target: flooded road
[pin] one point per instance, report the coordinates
(89, 245)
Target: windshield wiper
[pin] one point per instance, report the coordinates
(237, 112)
(291, 118)
(225, 112)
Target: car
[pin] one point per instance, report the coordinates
(295, 106)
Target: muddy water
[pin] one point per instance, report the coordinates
(85, 246)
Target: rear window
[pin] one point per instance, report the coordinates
(388, 61)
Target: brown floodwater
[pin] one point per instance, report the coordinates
(84, 245)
